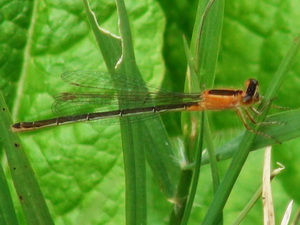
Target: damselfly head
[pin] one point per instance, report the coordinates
(251, 94)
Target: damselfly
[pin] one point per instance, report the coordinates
(138, 100)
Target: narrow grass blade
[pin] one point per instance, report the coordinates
(161, 160)
(255, 198)
(202, 58)
(195, 180)
(205, 45)
(133, 150)
(157, 146)
(7, 211)
(267, 191)
(287, 214)
(208, 55)
(29, 194)
(283, 68)
(214, 213)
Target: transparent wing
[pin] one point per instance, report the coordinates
(109, 96)
(105, 80)
(68, 104)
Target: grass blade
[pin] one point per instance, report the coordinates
(160, 160)
(122, 61)
(30, 196)
(195, 180)
(287, 214)
(268, 207)
(202, 56)
(222, 194)
(133, 151)
(205, 43)
(7, 211)
(255, 198)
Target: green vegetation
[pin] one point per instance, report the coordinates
(80, 167)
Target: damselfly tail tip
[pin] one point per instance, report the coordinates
(15, 127)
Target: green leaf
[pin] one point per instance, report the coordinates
(286, 128)
(76, 163)
(80, 167)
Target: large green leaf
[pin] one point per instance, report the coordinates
(79, 167)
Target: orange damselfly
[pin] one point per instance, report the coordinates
(139, 100)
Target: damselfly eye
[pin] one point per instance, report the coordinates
(252, 88)
(251, 82)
